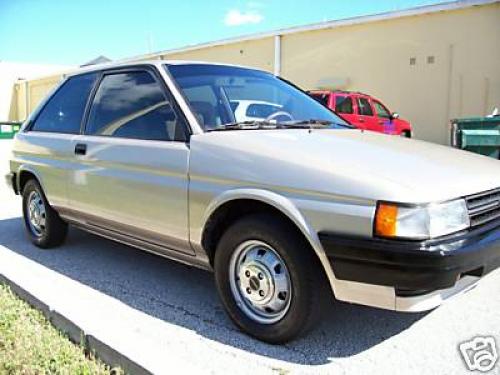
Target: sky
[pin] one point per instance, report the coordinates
(73, 32)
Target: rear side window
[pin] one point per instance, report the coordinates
(64, 110)
(364, 107)
(343, 104)
(133, 105)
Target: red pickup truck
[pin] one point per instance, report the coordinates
(363, 111)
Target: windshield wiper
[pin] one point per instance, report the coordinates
(316, 124)
(250, 124)
(269, 124)
(310, 123)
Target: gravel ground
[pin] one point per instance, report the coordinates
(350, 340)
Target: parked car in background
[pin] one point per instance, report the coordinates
(287, 211)
(363, 111)
(247, 110)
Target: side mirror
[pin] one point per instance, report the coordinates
(394, 115)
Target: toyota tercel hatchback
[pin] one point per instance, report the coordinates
(286, 209)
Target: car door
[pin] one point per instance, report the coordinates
(132, 175)
(366, 116)
(384, 118)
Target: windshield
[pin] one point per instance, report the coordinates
(222, 95)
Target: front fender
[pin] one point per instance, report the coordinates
(281, 203)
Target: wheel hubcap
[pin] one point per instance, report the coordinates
(260, 282)
(36, 213)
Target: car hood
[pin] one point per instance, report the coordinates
(345, 163)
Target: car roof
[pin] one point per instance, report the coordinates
(347, 92)
(157, 63)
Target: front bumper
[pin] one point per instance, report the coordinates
(415, 268)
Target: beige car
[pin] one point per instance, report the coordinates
(286, 209)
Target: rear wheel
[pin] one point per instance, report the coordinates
(43, 224)
(268, 279)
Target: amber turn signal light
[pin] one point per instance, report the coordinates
(386, 219)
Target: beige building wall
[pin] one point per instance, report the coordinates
(29, 94)
(11, 73)
(258, 53)
(39, 89)
(456, 71)
(463, 80)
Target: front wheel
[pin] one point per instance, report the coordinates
(268, 279)
(406, 134)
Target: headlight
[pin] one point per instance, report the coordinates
(420, 222)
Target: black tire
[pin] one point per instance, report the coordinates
(308, 283)
(406, 133)
(54, 231)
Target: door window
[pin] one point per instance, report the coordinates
(133, 105)
(381, 110)
(343, 104)
(64, 110)
(364, 107)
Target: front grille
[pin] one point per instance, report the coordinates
(483, 207)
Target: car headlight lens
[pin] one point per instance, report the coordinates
(420, 222)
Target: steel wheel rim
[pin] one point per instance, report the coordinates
(37, 214)
(260, 282)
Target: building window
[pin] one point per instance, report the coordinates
(413, 60)
(430, 59)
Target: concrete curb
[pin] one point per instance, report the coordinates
(76, 334)
(119, 334)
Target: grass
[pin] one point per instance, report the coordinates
(29, 344)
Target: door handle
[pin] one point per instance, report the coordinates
(361, 120)
(80, 149)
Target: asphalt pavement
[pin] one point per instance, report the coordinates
(351, 339)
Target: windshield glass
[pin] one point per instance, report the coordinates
(220, 95)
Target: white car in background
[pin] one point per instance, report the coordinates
(249, 110)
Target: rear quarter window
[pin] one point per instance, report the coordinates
(64, 110)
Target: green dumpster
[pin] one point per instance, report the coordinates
(9, 129)
(479, 135)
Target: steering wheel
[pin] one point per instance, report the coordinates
(274, 115)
